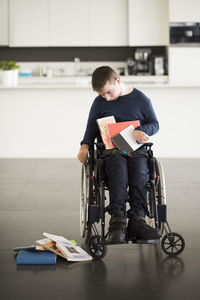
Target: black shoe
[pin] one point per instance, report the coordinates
(117, 228)
(138, 229)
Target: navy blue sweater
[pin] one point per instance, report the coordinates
(133, 106)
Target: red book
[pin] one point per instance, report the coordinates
(115, 128)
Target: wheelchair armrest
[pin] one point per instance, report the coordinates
(149, 145)
(99, 146)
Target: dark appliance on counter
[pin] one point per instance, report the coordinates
(184, 33)
(143, 61)
(131, 66)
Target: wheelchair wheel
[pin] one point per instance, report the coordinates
(95, 247)
(86, 187)
(173, 244)
(161, 189)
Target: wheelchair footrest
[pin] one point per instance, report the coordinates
(157, 241)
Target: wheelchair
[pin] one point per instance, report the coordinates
(93, 197)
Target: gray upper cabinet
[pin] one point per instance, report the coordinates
(148, 22)
(3, 22)
(28, 23)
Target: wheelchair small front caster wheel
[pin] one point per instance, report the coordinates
(96, 248)
(173, 244)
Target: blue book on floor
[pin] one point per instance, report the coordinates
(34, 257)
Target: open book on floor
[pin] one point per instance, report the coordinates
(50, 245)
(70, 251)
(125, 140)
(73, 253)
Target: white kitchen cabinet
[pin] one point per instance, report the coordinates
(28, 23)
(68, 23)
(148, 22)
(184, 10)
(108, 23)
(87, 23)
(3, 22)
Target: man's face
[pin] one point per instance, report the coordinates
(111, 90)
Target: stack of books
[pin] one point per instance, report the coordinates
(46, 250)
(118, 134)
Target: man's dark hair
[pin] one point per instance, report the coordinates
(101, 76)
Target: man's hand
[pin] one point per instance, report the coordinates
(83, 154)
(140, 136)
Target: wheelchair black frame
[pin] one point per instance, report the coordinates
(157, 205)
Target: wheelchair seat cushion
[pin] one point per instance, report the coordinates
(106, 152)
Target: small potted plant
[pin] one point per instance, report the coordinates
(9, 72)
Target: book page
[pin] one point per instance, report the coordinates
(50, 245)
(56, 238)
(127, 134)
(73, 253)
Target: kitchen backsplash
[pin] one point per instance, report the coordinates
(87, 54)
(62, 69)
(70, 61)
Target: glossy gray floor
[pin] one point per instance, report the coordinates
(38, 195)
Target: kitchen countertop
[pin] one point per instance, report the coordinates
(85, 82)
(36, 120)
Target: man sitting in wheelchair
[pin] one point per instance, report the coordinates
(127, 176)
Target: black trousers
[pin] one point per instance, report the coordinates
(127, 179)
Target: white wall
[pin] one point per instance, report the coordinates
(51, 122)
(177, 110)
(42, 122)
(184, 65)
